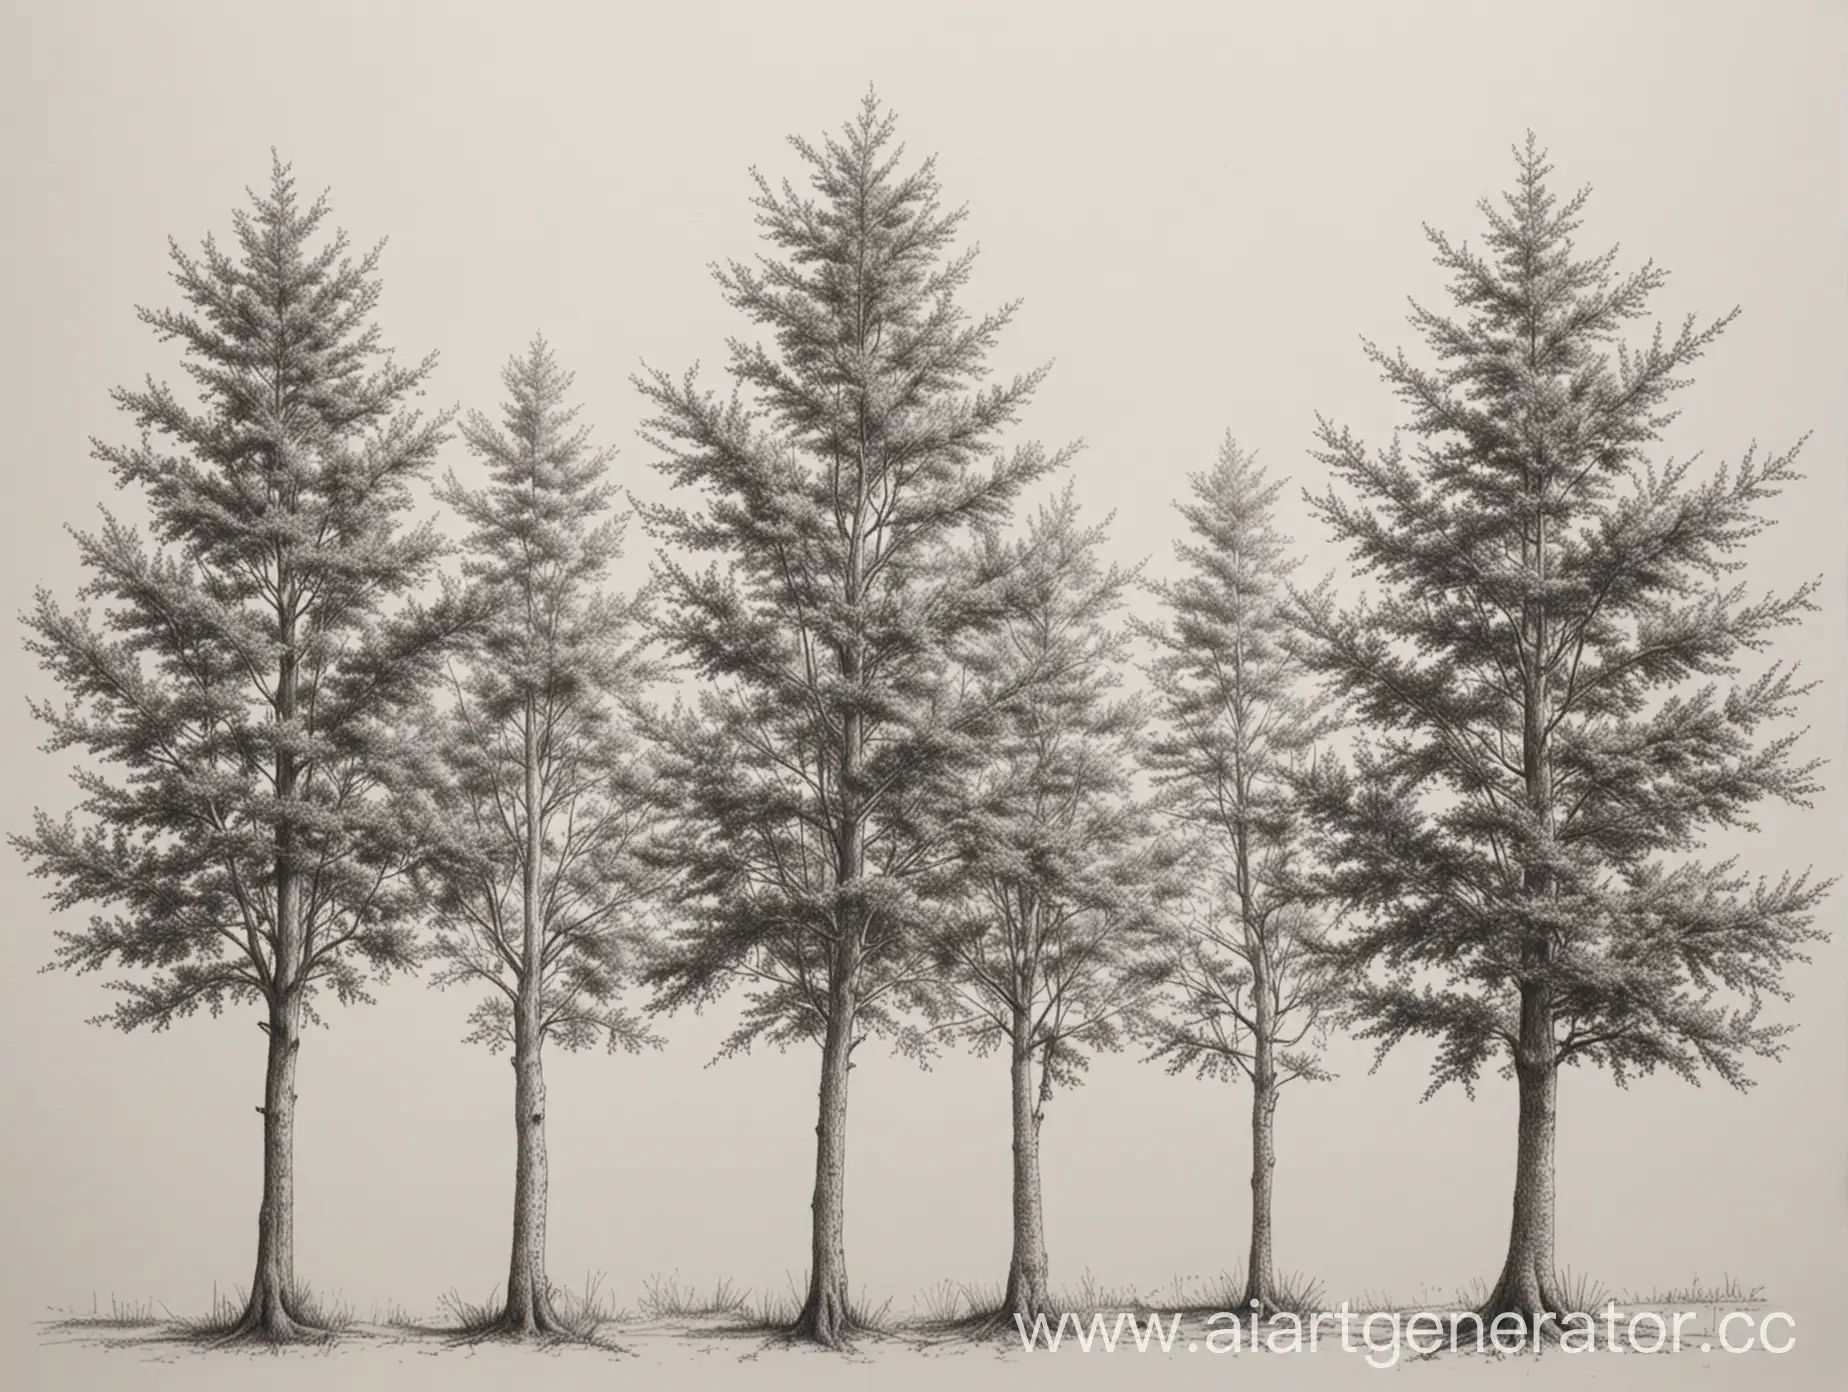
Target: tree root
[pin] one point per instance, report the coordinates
(826, 1319)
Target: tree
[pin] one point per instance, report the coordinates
(544, 790)
(834, 498)
(1051, 935)
(1253, 993)
(1521, 830)
(249, 679)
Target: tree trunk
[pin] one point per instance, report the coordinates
(272, 1311)
(1027, 1270)
(1260, 1267)
(1526, 1287)
(826, 1316)
(529, 1292)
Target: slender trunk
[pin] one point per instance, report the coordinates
(529, 1293)
(826, 1316)
(1027, 1270)
(1260, 1266)
(272, 1311)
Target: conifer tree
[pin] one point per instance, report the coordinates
(544, 788)
(1051, 934)
(1252, 994)
(248, 833)
(1549, 672)
(869, 446)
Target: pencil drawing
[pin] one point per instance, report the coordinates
(1538, 673)
(896, 754)
(247, 836)
(541, 797)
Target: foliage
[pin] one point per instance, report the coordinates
(1240, 727)
(250, 824)
(540, 762)
(1052, 933)
(1523, 819)
(835, 497)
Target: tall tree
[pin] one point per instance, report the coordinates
(247, 681)
(833, 497)
(1520, 833)
(544, 787)
(1051, 935)
(1253, 994)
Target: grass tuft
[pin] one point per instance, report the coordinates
(583, 1313)
(1300, 1294)
(470, 1316)
(121, 1314)
(1195, 1295)
(1581, 1293)
(951, 1304)
(663, 1297)
(1728, 1290)
(771, 1311)
(863, 1315)
(391, 1315)
(1089, 1297)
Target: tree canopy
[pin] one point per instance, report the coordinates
(1551, 672)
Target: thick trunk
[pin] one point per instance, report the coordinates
(826, 1316)
(1260, 1266)
(1027, 1268)
(1527, 1288)
(272, 1311)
